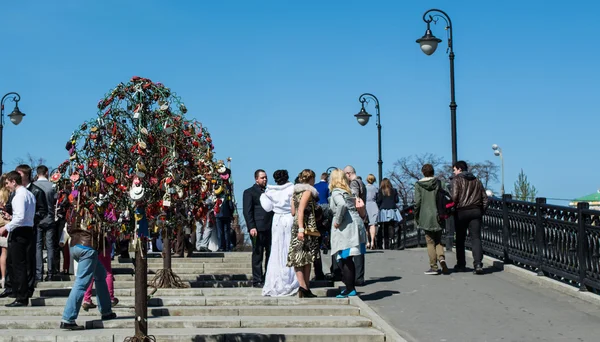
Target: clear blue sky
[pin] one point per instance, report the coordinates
(277, 82)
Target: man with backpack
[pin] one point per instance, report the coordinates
(471, 201)
(430, 212)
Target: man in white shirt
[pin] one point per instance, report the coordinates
(41, 211)
(21, 237)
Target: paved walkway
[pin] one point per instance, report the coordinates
(497, 306)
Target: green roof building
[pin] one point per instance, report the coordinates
(592, 199)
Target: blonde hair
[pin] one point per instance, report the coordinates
(306, 175)
(338, 180)
(371, 178)
(4, 192)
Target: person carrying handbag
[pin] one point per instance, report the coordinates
(304, 244)
(348, 236)
(359, 190)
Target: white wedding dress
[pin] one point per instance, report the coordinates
(280, 280)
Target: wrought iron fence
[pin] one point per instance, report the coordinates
(555, 241)
(408, 235)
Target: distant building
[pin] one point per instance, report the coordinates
(592, 199)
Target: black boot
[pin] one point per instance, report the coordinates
(7, 293)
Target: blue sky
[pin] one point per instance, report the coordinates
(277, 82)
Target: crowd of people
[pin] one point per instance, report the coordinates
(289, 224)
(32, 218)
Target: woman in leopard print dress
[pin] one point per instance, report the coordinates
(304, 246)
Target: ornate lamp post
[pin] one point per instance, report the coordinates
(15, 117)
(429, 44)
(363, 118)
(498, 153)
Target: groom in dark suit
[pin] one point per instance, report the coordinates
(259, 223)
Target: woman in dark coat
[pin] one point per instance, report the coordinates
(389, 215)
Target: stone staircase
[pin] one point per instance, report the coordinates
(220, 305)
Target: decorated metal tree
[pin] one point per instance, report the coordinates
(188, 197)
(138, 165)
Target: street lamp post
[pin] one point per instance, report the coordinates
(15, 117)
(363, 118)
(429, 44)
(498, 153)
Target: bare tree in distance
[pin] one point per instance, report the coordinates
(407, 171)
(486, 171)
(32, 161)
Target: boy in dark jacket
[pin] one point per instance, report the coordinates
(427, 218)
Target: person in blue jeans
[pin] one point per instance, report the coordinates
(83, 251)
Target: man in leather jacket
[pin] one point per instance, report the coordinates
(471, 201)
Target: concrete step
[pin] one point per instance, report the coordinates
(184, 292)
(212, 266)
(203, 334)
(300, 310)
(185, 275)
(222, 270)
(178, 261)
(178, 271)
(189, 265)
(201, 301)
(128, 280)
(196, 269)
(226, 255)
(129, 284)
(165, 322)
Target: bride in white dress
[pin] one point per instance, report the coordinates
(280, 280)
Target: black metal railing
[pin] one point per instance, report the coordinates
(555, 241)
(408, 235)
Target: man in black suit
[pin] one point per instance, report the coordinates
(259, 223)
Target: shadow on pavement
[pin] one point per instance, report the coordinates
(491, 269)
(378, 295)
(382, 280)
(486, 270)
